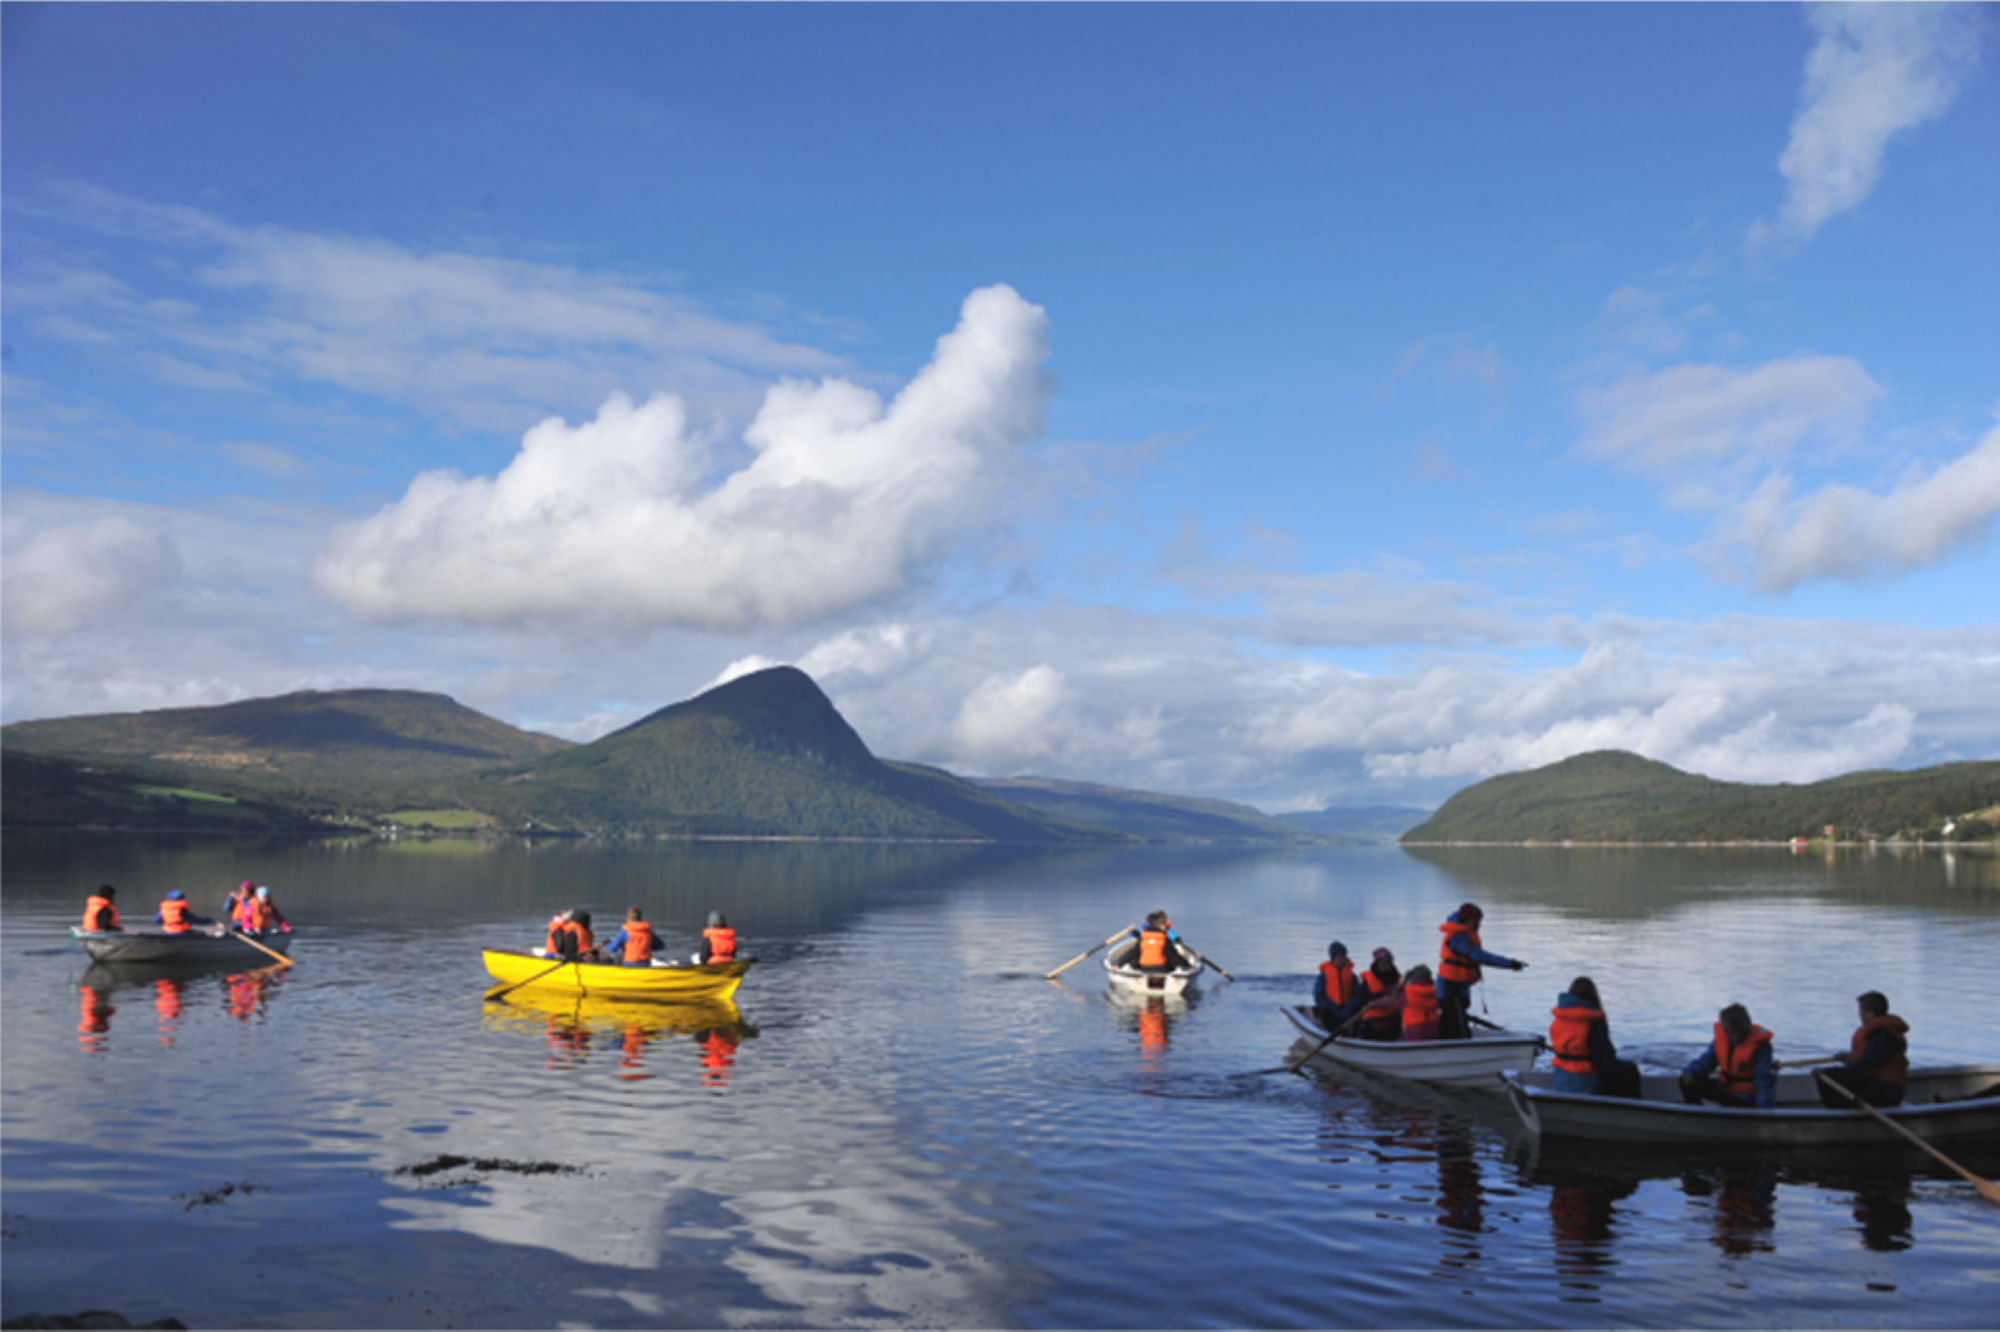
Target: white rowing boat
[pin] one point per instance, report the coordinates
(1120, 964)
(203, 943)
(1941, 1104)
(1475, 1062)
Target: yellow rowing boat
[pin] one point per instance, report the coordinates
(674, 984)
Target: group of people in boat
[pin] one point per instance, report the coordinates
(1384, 1004)
(1736, 1069)
(635, 944)
(247, 909)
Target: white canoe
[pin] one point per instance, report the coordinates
(1941, 1104)
(200, 944)
(1128, 979)
(1476, 1061)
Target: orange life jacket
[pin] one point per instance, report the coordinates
(1736, 1066)
(1152, 948)
(99, 913)
(257, 916)
(1897, 1069)
(1451, 966)
(1376, 986)
(1339, 981)
(174, 915)
(721, 943)
(556, 927)
(1420, 1004)
(584, 941)
(638, 941)
(1569, 1038)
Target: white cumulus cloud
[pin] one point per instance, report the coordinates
(1848, 533)
(618, 519)
(1875, 70)
(66, 562)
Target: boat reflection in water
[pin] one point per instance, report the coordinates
(171, 985)
(576, 1027)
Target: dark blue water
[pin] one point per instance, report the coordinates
(902, 1122)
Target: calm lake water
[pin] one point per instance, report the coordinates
(904, 1123)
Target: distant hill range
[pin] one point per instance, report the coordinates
(1360, 823)
(1612, 796)
(766, 755)
(1150, 816)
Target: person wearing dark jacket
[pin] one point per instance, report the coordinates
(1379, 998)
(1586, 1062)
(1334, 989)
(1877, 1065)
(1460, 958)
(1737, 1069)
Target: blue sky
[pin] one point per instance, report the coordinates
(1297, 404)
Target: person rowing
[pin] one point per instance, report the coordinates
(1737, 1069)
(633, 944)
(177, 916)
(1876, 1067)
(1159, 945)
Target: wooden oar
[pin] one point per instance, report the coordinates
(491, 995)
(1209, 960)
(238, 934)
(1337, 1032)
(1987, 1188)
(1080, 956)
(1806, 1063)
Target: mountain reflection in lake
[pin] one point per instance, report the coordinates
(899, 1121)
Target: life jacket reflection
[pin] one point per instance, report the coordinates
(1569, 1038)
(721, 943)
(1736, 1065)
(718, 1056)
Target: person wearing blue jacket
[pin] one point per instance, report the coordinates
(1737, 1069)
(1460, 957)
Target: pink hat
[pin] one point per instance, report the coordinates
(245, 886)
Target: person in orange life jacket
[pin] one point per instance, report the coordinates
(1158, 944)
(1459, 959)
(261, 914)
(100, 912)
(573, 939)
(633, 944)
(232, 905)
(1377, 999)
(1334, 989)
(1876, 1067)
(718, 941)
(553, 948)
(1587, 1063)
(1737, 1069)
(1420, 1005)
(177, 915)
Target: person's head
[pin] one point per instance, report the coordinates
(1470, 914)
(1873, 1004)
(581, 917)
(1383, 961)
(717, 921)
(1336, 951)
(1419, 975)
(1735, 1020)
(1157, 919)
(633, 913)
(176, 896)
(106, 890)
(1584, 988)
(264, 893)
(246, 887)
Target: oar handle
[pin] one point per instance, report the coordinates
(1808, 1063)
(1086, 953)
(260, 947)
(1211, 961)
